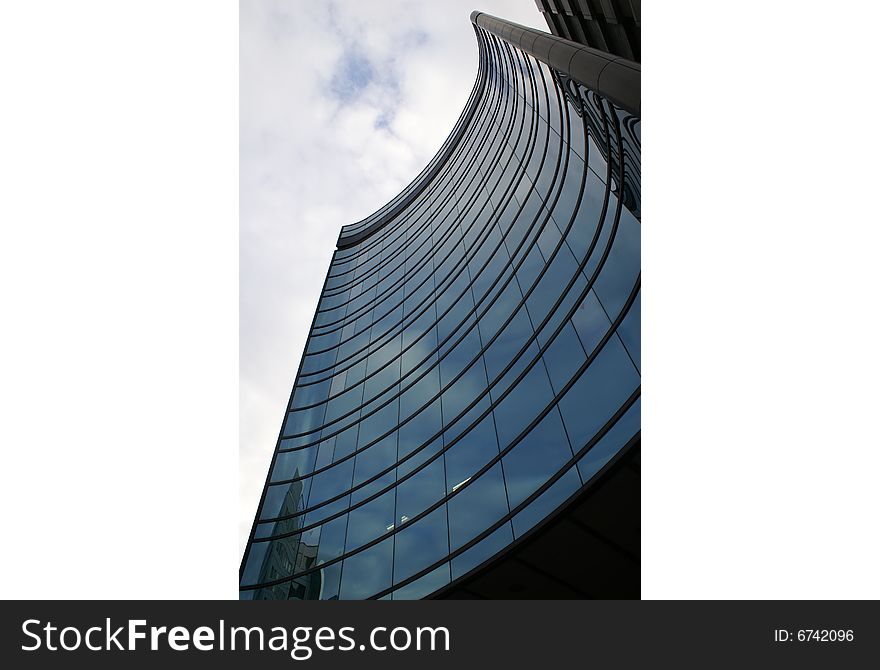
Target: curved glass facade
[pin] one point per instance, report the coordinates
(474, 359)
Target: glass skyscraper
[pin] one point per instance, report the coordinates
(465, 421)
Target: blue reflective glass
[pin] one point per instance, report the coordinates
(344, 403)
(508, 343)
(516, 368)
(455, 360)
(420, 429)
(583, 230)
(604, 450)
(374, 486)
(256, 555)
(290, 464)
(482, 550)
(332, 539)
(372, 460)
(536, 458)
(550, 235)
(378, 423)
(331, 482)
(278, 527)
(418, 457)
(591, 322)
(618, 276)
(311, 394)
(367, 573)
(369, 521)
(531, 267)
(282, 499)
(275, 560)
(325, 453)
(425, 487)
(567, 204)
(330, 575)
(421, 392)
(630, 331)
(345, 442)
(472, 451)
(550, 286)
(599, 392)
(425, 585)
(563, 357)
(305, 420)
(463, 391)
(476, 506)
(522, 404)
(419, 544)
(542, 506)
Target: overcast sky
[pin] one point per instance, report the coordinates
(342, 104)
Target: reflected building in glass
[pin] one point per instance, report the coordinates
(465, 421)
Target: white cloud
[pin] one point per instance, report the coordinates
(342, 104)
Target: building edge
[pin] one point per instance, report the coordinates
(612, 77)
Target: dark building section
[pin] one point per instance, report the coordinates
(465, 421)
(613, 26)
(588, 549)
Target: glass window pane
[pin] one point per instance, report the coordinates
(367, 572)
(464, 391)
(256, 556)
(344, 403)
(378, 423)
(604, 450)
(590, 322)
(477, 506)
(376, 485)
(369, 521)
(599, 392)
(508, 344)
(278, 559)
(482, 551)
(282, 499)
(280, 527)
(536, 458)
(420, 429)
(542, 506)
(427, 486)
(472, 451)
(630, 331)
(330, 575)
(425, 585)
(290, 464)
(330, 483)
(332, 539)
(551, 285)
(373, 460)
(311, 394)
(304, 420)
(522, 404)
(621, 269)
(418, 395)
(583, 230)
(420, 544)
(325, 454)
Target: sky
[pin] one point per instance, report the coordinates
(342, 103)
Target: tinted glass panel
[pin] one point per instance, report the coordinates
(366, 573)
(477, 506)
